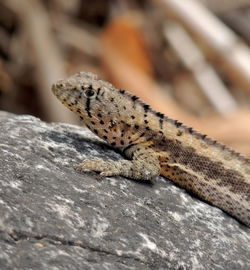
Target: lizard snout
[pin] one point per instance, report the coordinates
(58, 87)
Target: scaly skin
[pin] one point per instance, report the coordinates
(156, 144)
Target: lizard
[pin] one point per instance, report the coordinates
(155, 144)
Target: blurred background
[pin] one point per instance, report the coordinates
(188, 59)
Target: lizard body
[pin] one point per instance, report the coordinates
(156, 144)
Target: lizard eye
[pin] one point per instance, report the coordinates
(89, 93)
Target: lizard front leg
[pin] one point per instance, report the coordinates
(144, 165)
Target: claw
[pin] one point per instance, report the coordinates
(79, 168)
(106, 174)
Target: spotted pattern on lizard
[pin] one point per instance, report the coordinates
(155, 144)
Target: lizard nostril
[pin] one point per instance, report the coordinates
(57, 86)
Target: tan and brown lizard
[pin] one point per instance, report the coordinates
(155, 144)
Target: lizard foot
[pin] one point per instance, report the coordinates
(98, 165)
(135, 170)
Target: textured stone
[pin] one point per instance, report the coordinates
(52, 217)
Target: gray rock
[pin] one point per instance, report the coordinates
(52, 217)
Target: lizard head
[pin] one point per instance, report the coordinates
(88, 96)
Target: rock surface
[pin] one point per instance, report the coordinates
(52, 217)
